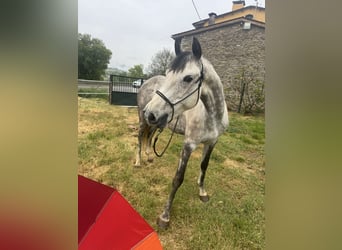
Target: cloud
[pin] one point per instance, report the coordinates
(135, 30)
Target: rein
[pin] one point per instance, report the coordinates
(200, 79)
(168, 143)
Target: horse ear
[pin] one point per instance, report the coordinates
(196, 48)
(178, 48)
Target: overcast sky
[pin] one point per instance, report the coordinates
(134, 30)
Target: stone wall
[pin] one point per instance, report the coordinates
(232, 49)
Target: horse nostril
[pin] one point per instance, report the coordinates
(151, 118)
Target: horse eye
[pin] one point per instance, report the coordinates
(187, 79)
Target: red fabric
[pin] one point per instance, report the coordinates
(92, 197)
(151, 242)
(116, 226)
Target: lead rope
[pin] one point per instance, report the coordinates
(168, 143)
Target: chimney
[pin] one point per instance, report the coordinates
(238, 5)
(212, 17)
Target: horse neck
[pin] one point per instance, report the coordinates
(212, 94)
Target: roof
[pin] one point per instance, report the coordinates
(219, 25)
(200, 24)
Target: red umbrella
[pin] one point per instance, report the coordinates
(107, 221)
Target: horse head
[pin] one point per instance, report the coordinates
(181, 88)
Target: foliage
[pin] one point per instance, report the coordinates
(232, 219)
(114, 71)
(247, 92)
(136, 71)
(93, 57)
(160, 62)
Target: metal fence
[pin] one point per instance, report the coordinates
(119, 90)
(123, 90)
(93, 88)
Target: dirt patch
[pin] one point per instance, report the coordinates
(85, 127)
(238, 165)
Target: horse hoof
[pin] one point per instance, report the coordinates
(204, 198)
(150, 159)
(163, 224)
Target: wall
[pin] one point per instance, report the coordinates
(230, 49)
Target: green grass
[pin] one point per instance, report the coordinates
(232, 219)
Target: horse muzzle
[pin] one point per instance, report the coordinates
(154, 120)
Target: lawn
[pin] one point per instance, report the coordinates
(234, 218)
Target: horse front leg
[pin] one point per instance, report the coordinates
(207, 150)
(164, 219)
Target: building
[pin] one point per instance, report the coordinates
(234, 42)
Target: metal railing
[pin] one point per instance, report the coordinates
(124, 90)
(94, 87)
(119, 90)
(125, 83)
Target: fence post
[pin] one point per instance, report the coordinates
(110, 89)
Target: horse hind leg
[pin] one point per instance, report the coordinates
(144, 130)
(207, 150)
(140, 141)
(148, 151)
(144, 140)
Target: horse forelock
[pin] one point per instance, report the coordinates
(179, 63)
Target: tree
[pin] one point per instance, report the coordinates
(93, 57)
(247, 92)
(136, 71)
(160, 62)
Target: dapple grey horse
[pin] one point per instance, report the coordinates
(190, 94)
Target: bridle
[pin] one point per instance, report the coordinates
(199, 81)
(172, 105)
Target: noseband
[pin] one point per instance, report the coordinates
(172, 105)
